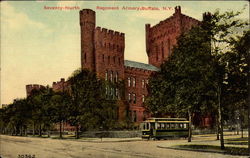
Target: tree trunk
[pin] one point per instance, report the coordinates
(40, 130)
(189, 126)
(220, 120)
(33, 128)
(241, 127)
(16, 131)
(25, 131)
(217, 129)
(48, 133)
(77, 132)
(238, 128)
(21, 130)
(60, 129)
(248, 80)
(248, 90)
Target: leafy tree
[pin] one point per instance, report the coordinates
(182, 87)
(194, 77)
(38, 101)
(90, 108)
(224, 28)
(58, 108)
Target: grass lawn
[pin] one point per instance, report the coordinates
(212, 148)
(237, 141)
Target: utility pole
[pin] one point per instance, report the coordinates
(248, 55)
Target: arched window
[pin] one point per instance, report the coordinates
(109, 59)
(103, 58)
(143, 98)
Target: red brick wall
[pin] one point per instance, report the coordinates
(109, 53)
(140, 75)
(87, 23)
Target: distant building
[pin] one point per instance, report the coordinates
(5, 105)
(32, 87)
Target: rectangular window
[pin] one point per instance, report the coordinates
(143, 98)
(134, 81)
(143, 83)
(111, 76)
(169, 48)
(116, 77)
(134, 97)
(135, 116)
(106, 75)
(129, 82)
(116, 92)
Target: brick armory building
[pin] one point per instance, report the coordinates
(102, 51)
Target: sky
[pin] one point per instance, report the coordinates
(40, 46)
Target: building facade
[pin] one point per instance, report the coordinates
(102, 51)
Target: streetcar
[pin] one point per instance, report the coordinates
(164, 128)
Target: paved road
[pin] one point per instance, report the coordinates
(12, 146)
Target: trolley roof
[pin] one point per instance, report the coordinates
(166, 120)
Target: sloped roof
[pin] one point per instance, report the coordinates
(144, 66)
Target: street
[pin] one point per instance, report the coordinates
(15, 147)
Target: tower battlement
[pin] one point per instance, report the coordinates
(161, 38)
(31, 87)
(109, 33)
(87, 15)
(109, 38)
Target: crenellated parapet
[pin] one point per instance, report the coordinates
(105, 38)
(60, 86)
(32, 87)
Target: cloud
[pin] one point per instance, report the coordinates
(14, 20)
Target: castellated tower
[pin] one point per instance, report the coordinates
(87, 23)
(161, 38)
